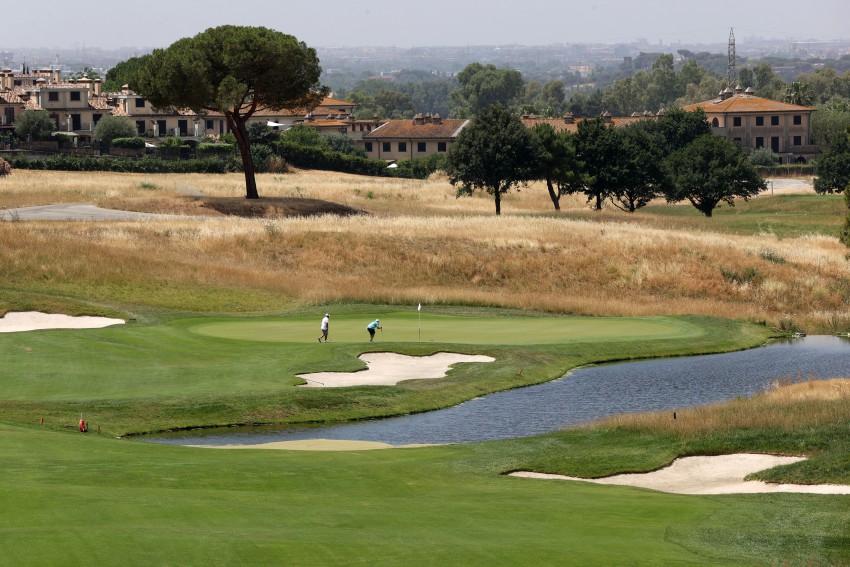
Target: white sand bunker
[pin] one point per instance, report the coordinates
(388, 369)
(314, 445)
(723, 474)
(33, 321)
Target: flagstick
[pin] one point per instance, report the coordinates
(419, 310)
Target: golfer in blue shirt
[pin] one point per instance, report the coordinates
(376, 324)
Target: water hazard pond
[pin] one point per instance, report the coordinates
(584, 395)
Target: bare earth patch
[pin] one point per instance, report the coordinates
(388, 369)
(33, 320)
(722, 474)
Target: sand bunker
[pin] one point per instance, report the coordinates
(33, 320)
(723, 474)
(388, 369)
(314, 445)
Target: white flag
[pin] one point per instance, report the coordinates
(419, 308)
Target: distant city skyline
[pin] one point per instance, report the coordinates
(340, 23)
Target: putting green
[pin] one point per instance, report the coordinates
(405, 327)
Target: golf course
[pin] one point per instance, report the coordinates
(221, 315)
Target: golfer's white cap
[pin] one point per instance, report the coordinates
(327, 314)
(377, 320)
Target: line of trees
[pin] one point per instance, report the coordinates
(675, 158)
(655, 81)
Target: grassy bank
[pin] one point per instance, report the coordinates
(435, 250)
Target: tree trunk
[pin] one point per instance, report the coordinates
(599, 201)
(240, 132)
(556, 197)
(498, 196)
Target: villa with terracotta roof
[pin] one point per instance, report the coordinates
(411, 139)
(756, 122)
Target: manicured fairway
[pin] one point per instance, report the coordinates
(405, 327)
(74, 500)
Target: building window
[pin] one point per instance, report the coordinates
(774, 143)
(715, 123)
(140, 103)
(53, 97)
(210, 125)
(798, 140)
(420, 147)
(737, 140)
(798, 120)
(140, 126)
(759, 120)
(774, 121)
(736, 121)
(441, 146)
(75, 95)
(95, 118)
(369, 147)
(183, 127)
(386, 146)
(402, 146)
(759, 142)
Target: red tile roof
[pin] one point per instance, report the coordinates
(32, 104)
(10, 98)
(741, 103)
(407, 129)
(99, 102)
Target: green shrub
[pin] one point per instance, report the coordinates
(207, 149)
(304, 136)
(111, 127)
(170, 142)
(344, 145)
(134, 143)
(771, 256)
(260, 154)
(32, 125)
(745, 276)
(764, 157)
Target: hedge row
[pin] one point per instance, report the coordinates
(129, 143)
(146, 164)
(312, 157)
(266, 158)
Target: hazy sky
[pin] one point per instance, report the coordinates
(157, 23)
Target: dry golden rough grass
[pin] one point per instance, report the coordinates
(785, 407)
(418, 244)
